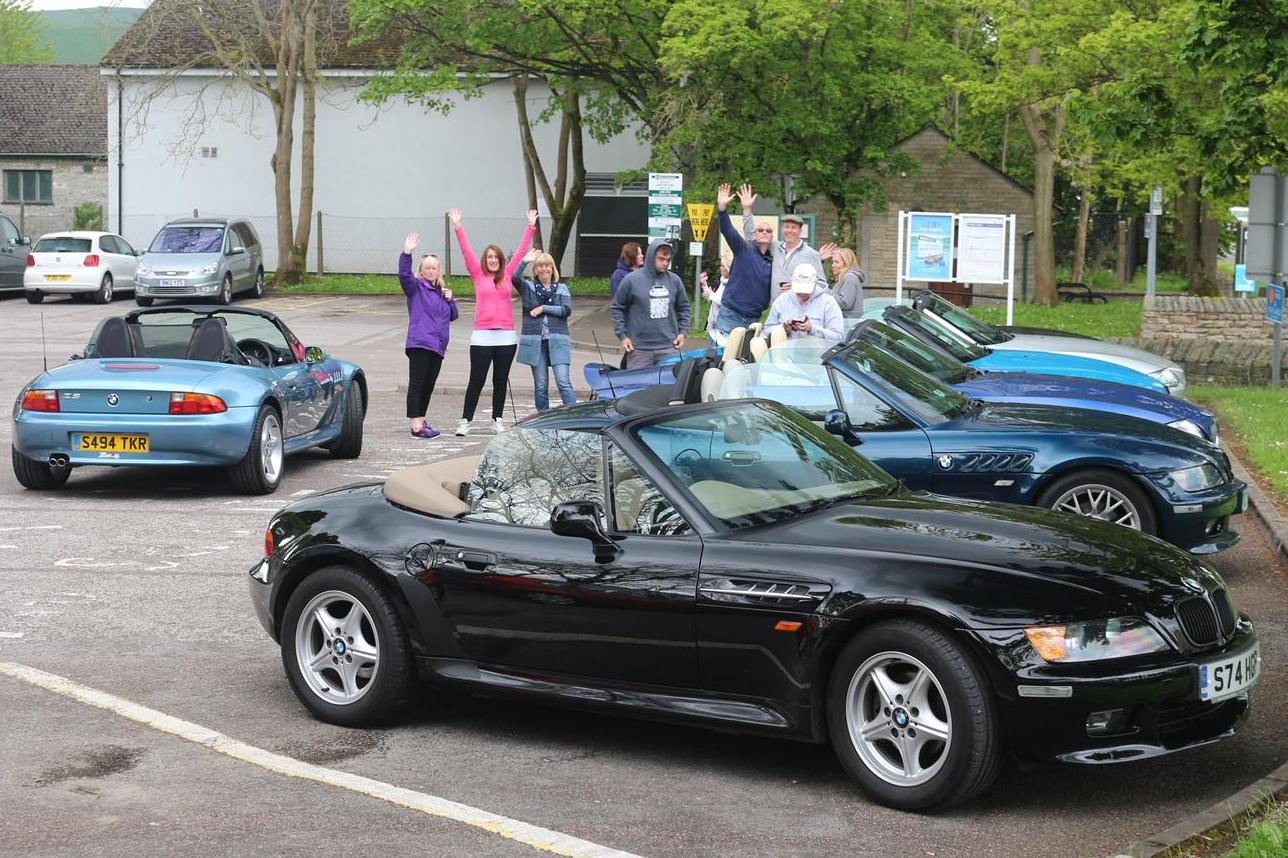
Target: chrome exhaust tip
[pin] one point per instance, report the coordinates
(58, 460)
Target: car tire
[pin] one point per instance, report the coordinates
(320, 664)
(142, 301)
(104, 293)
(260, 470)
(40, 476)
(35, 296)
(947, 692)
(257, 291)
(349, 444)
(225, 296)
(1104, 494)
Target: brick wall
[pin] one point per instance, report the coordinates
(71, 187)
(1219, 320)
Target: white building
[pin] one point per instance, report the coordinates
(200, 140)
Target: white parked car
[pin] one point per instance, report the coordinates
(79, 262)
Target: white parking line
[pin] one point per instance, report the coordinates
(539, 838)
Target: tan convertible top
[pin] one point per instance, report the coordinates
(435, 488)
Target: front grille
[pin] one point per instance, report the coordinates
(1198, 620)
(1224, 612)
(171, 290)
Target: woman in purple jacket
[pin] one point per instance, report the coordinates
(430, 309)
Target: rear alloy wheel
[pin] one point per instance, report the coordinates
(912, 717)
(349, 444)
(1101, 494)
(225, 296)
(35, 296)
(104, 293)
(260, 470)
(257, 291)
(344, 648)
(40, 476)
(142, 301)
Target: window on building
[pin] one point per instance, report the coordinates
(28, 186)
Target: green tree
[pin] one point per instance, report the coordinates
(22, 37)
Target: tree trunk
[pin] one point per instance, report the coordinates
(288, 65)
(1080, 240)
(308, 134)
(564, 202)
(519, 84)
(1200, 259)
(1124, 227)
(1006, 139)
(1043, 126)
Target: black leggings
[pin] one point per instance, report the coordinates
(500, 358)
(421, 377)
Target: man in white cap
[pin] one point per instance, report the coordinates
(807, 310)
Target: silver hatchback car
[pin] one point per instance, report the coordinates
(213, 257)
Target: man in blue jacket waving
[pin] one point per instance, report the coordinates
(746, 295)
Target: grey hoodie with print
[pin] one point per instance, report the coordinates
(650, 306)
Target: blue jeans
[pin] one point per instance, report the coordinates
(541, 380)
(727, 320)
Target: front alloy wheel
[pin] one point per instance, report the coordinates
(226, 291)
(337, 648)
(1102, 494)
(899, 719)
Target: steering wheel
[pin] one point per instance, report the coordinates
(258, 349)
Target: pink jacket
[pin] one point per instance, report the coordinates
(492, 308)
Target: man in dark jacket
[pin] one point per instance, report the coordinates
(651, 309)
(746, 295)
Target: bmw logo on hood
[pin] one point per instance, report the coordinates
(945, 461)
(1192, 584)
(113, 400)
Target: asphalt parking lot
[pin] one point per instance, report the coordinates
(132, 583)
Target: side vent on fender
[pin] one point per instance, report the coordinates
(994, 463)
(768, 594)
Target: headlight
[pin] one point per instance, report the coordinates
(1172, 377)
(1188, 426)
(214, 266)
(1198, 478)
(143, 269)
(1095, 640)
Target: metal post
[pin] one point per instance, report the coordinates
(321, 267)
(898, 251)
(22, 216)
(447, 245)
(1155, 209)
(1277, 357)
(1024, 266)
(695, 311)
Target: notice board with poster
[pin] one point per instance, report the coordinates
(950, 247)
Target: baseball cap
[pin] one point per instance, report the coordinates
(804, 279)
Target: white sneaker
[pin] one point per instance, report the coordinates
(497, 425)
(463, 427)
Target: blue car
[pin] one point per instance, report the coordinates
(188, 386)
(1114, 467)
(970, 381)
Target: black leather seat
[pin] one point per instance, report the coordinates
(114, 340)
(212, 342)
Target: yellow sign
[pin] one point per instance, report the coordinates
(700, 219)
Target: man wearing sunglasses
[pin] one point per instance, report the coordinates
(747, 293)
(789, 253)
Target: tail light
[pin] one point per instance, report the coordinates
(268, 542)
(40, 400)
(91, 261)
(196, 403)
(31, 261)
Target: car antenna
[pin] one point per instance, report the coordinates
(514, 412)
(44, 348)
(607, 376)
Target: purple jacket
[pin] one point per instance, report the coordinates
(428, 312)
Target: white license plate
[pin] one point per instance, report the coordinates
(1230, 676)
(171, 283)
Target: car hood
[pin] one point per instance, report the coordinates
(1053, 363)
(1129, 356)
(1096, 394)
(179, 261)
(1029, 545)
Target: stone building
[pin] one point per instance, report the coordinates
(53, 144)
(950, 180)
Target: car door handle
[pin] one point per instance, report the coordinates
(475, 561)
(741, 457)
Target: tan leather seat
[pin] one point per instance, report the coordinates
(753, 330)
(434, 489)
(711, 383)
(758, 348)
(777, 336)
(733, 343)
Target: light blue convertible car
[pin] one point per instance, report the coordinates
(188, 386)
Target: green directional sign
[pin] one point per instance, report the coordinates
(661, 210)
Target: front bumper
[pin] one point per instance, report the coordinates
(191, 286)
(261, 592)
(198, 439)
(1200, 521)
(1161, 709)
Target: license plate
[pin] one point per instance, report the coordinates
(171, 283)
(102, 442)
(1230, 676)
(57, 278)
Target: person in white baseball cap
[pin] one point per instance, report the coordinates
(807, 310)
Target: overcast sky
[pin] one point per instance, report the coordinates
(40, 5)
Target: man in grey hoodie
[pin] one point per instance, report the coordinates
(651, 309)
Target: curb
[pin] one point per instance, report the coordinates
(1275, 527)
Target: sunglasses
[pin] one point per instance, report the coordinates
(765, 229)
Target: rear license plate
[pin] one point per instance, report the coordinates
(1230, 676)
(57, 278)
(171, 283)
(103, 442)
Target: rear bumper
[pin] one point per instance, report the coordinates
(205, 439)
(87, 280)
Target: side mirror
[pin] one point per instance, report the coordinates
(237, 251)
(581, 519)
(313, 354)
(24, 240)
(837, 422)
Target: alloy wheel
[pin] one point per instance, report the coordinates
(1099, 501)
(337, 648)
(270, 448)
(226, 291)
(898, 718)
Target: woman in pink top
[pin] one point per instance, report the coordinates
(494, 341)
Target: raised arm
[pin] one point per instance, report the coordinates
(471, 261)
(747, 199)
(516, 259)
(406, 279)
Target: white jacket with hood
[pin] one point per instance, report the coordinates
(821, 309)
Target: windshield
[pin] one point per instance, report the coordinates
(806, 350)
(936, 332)
(188, 239)
(802, 387)
(63, 244)
(979, 331)
(754, 463)
(922, 395)
(915, 352)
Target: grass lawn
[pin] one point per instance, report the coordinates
(1255, 416)
(1103, 280)
(1115, 319)
(387, 284)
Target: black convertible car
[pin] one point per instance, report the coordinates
(730, 563)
